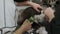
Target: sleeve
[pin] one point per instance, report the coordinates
(20, 0)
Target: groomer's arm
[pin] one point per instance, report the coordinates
(19, 31)
(28, 3)
(25, 27)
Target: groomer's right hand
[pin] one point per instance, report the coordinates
(26, 25)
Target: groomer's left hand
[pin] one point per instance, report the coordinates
(32, 4)
(36, 6)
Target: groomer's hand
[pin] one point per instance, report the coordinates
(32, 4)
(36, 6)
(26, 25)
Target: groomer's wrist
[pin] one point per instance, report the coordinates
(30, 3)
(20, 30)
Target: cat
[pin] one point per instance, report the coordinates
(26, 14)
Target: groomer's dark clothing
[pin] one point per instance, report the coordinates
(20, 0)
(54, 26)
